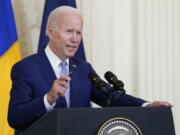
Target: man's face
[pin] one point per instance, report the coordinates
(65, 37)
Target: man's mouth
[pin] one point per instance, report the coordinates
(71, 46)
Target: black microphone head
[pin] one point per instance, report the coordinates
(93, 77)
(99, 84)
(112, 79)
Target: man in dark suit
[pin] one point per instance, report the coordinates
(39, 85)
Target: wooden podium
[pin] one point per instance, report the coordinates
(88, 121)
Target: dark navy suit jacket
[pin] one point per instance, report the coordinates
(32, 79)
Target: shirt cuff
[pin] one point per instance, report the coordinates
(47, 105)
(145, 104)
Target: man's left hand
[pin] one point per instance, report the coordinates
(159, 103)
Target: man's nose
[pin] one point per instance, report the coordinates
(75, 37)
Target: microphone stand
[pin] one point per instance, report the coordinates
(110, 99)
(121, 92)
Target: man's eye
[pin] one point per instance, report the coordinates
(79, 33)
(69, 31)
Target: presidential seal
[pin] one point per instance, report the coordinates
(119, 126)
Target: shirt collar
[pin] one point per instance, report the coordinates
(53, 58)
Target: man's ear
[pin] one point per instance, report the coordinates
(49, 32)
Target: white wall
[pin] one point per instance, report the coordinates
(136, 39)
(109, 39)
(159, 52)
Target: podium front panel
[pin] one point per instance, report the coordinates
(87, 121)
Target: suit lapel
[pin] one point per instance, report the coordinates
(46, 68)
(73, 68)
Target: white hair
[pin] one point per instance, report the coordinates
(60, 11)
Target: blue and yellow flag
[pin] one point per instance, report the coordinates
(9, 54)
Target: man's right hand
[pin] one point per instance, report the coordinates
(58, 89)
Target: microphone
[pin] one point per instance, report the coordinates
(112, 79)
(99, 83)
